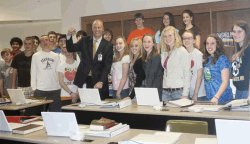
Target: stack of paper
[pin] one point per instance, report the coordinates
(182, 102)
(118, 104)
(200, 108)
(113, 131)
(157, 138)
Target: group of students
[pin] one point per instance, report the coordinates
(44, 68)
(169, 60)
(176, 67)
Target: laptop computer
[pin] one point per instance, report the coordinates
(90, 96)
(5, 125)
(147, 96)
(232, 131)
(17, 97)
(60, 123)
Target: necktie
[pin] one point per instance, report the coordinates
(94, 47)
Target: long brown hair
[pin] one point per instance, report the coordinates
(244, 26)
(117, 57)
(219, 49)
(154, 51)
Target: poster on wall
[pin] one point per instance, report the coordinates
(227, 38)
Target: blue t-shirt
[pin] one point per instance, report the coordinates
(213, 80)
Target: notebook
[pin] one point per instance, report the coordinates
(232, 131)
(60, 123)
(147, 96)
(17, 97)
(90, 96)
(5, 125)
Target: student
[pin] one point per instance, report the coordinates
(108, 35)
(140, 30)
(167, 20)
(136, 72)
(16, 43)
(36, 43)
(120, 68)
(216, 71)
(67, 71)
(151, 64)
(21, 68)
(241, 59)
(53, 42)
(62, 46)
(80, 34)
(188, 21)
(197, 90)
(6, 71)
(44, 78)
(176, 63)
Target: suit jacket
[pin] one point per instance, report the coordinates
(154, 73)
(101, 64)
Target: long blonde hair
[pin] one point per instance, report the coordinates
(132, 56)
(177, 43)
(117, 57)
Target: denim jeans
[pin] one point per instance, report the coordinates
(241, 94)
(171, 95)
(124, 93)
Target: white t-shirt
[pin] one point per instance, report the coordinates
(116, 72)
(196, 64)
(43, 71)
(69, 71)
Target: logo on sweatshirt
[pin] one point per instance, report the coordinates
(47, 63)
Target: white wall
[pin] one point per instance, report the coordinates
(25, 29)
(13, 10)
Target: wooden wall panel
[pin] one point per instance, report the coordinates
(209, 17)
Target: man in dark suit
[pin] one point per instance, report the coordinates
(96, 59)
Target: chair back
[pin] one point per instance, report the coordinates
(187, 126)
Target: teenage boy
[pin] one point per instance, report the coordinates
(21, 67)
(6, 71)
(141, 30)
(16, 43)
(44, 78)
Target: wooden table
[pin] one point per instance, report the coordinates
(25, 109)
(41, 137)
(145, 117)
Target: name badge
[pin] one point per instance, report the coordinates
(99, 57)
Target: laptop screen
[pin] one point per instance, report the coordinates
(147, 96)
(60, 123)
(232, 131)
(90, 96)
